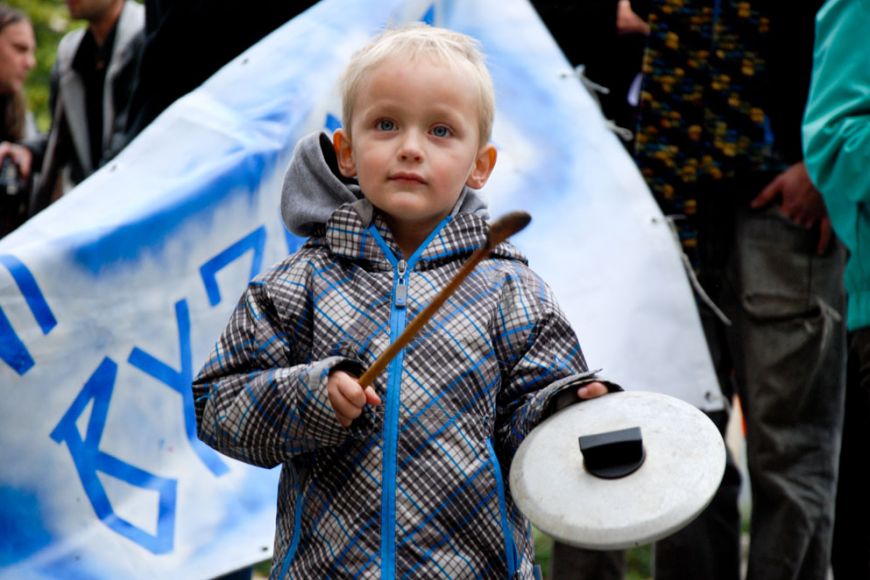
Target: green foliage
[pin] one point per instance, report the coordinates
(639, 563)
(50, 22)
(543, 551)
(262, 569)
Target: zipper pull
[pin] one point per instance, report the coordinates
(401, 285)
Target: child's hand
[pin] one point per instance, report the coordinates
(591, 390)
(348, 398)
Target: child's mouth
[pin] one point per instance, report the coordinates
(408, 177)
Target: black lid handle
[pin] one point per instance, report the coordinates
(613, 454)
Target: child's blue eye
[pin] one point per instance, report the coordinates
(385, 125)
(441, 131)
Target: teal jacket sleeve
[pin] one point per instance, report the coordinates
(836, 138)
(836, 126)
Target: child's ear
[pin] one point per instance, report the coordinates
(341, 143)
(483, 166)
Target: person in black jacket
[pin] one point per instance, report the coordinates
(187, 41)
(90, 88)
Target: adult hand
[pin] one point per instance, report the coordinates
(348, 398)
(591, 390)
(799, 201)
(20, 154)
(627, 20)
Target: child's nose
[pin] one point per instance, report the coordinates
(411, 149)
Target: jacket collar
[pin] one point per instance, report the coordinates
(352, 231)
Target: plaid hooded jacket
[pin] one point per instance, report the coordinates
(416, 487)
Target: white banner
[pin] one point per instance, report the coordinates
(112, 297)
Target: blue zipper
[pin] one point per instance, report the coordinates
(509, 546)
(398, 314)
(297, 529)
(391, 430)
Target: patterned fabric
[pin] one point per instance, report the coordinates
(417, 486)
(703, 100)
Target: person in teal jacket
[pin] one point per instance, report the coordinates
(837, 154)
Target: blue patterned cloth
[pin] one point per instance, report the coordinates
(417, 486)
(703, 112)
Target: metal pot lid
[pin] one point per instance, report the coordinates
(645, 489)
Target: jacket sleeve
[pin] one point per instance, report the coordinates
(258, 398)
(540, 357)
(837, 121)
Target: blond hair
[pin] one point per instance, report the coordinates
(420, 40)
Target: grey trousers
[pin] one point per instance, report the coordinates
(791, 380)
(786, 346)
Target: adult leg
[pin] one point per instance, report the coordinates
(850, 556)
(709, 547)
(570, 563)
(791, 385)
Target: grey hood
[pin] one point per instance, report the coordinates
(314, 188)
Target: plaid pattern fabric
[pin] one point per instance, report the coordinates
(472, 384)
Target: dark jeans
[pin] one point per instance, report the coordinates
(570, 563)
(851, 550)
(709, 547)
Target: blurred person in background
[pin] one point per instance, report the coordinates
(719, 144)
(836, 142)
(91, 83)
(17, 59)
(186, 42)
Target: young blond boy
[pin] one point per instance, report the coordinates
(407, 477)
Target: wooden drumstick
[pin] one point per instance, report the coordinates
(499, 231)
